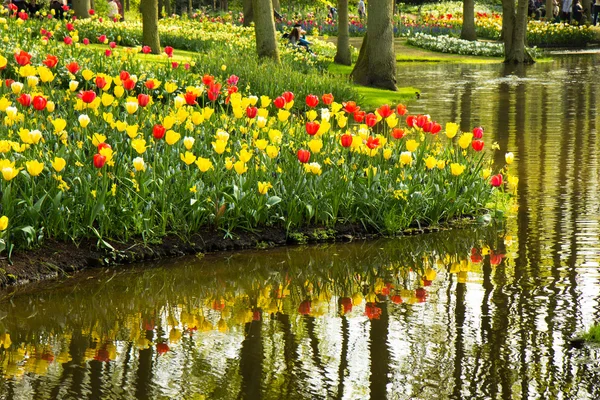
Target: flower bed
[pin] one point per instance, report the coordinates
(447, 44)
(95, 143)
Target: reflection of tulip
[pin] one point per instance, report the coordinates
(162, 348)
(496, 258)
(475, 256)
(396, 299)
(346, 303)
(304, 307)
(372, 311)
(509, 158)
(421, 293)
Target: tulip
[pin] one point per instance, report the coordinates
(87, 96)
(143, 99)
(346, 140)
(101, 82)
(451, 129)
(128, 84)
(312, 100)
(412, 145)
(327, 98)
(190, 98)
(477, 145)
(39, 102)
(213, 91)
(312, 127)
(359, 116)
(9, 173)
(3, 223)
(233, 80)
(411, 121)
(204, 164)
(188, 142)
(131, 106)
(509, 158)
(22, 58)
(422, 120)
(158, 131)
(139, 164)
(86, 41)
(435, 128)
(405, 157)
(102, 146)
(279, 102)
(478, 132)
(288, 96)
(58, 164)
(263, 187)
(240, 167)
(372, 143)
(50, 61)
(99, 160)
(188, 158)
(34, 167)
(496, 180)
(172, 137)
(24, 100)
(385, 111)
(146, 49)
(401, 109)
(303, 156)
(72, 67)
(251, 112)
(84, 120)
(457, 169)
(207, 80)
(68, 40)
(169, 51)
(272, 151)
(350, 107)
(102, 39)
(397, 133)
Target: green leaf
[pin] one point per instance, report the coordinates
(273, 200)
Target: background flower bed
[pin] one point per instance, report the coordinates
(118, 148)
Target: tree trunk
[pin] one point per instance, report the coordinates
(168, 7)
(248, 12)
(224, 5)
(264, 28)
(468, 29)
(160, 8)
(191, 8)
(587, 7)
(81, 8)
(150, 36)
(376, 64)
(514, 32)
(549, 10)
(127, 5)
(276, 5)
(343, 55)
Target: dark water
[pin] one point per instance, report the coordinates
(480, 313)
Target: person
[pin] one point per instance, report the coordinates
(332, 11)
(361, 9)
(566, 10)
(595, 12)
(298, 37)
(577, 12)
(121, 11)
(57, 7)
(113, 9)
(556, 10)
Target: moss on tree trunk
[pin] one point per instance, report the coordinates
(264, 28)
(149, 9)
(343, 55)
(376, 64)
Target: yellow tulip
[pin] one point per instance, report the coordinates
(168, 121)
(87, 74)
(50, 106)
(172, 137)
(457, 169)
(170, 87)
(245, 155)
(59, 125)
(342, 120)
(59, 164)
(119, 91)
(207, 112)
(8, 173)
(188, 142)
(509, 158)
(108, 99)
(465, 140)
(73, 85)
(261, 144)
(34, 167)
(313, 168)
(204, 164)
(387, 154)
(16, 87)
(315, 145)
(272, 151)
(311, 115)
(188, 158)
(98, 138)
(283, 115)
(3, 225)
(405, 157)
(139, 145)
(139, 164)
(4, 104)
(485, 173)
(131, 106)
(219, 146)
(263, 187)
(412, 145)
(240, 167)
(197, 118)
(132, 131)
(441, 164)
(84, 120)
(451, 129)
(265, 101)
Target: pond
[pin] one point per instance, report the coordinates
(480, 313)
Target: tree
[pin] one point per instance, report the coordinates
(376, 64)
(549, 10)
(468, 28)
(149, 9)
(264, 29)
(248, 13)
(81, 8)
(343, 56)
(514, 32)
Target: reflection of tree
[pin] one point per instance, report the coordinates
(343, 358)
(143, 384)
(251, 361)
(379, 354)
(459, 351)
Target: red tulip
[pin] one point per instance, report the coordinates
(39, 102)
(124, 75)
(68, 40)
(86, 41)
(169, 51)
(99, 160)
(304, 307)
(158, 131)
(251, 112)
(396, 299)
(372, 142)
(477, 145)
(143, 99)
(9, 82)
(496, 180)
(327, 98)
(102, 38)
(401, 109)
(312, 127)
(100, 82)
(288, 96)
(108, 52)
(112, 45)
(208, 79)
(346, 303)
(50, 61)
(91, 11)
(478, 132)
(87, 96)
(23, 15)
(303, 156)
(146, 49)
(128, 84)
(411, 121)
(435, 128)
(370, 119)
(103, 146)
(72, 67)
(24, 100)
(162, 348)
(422, 120)
(350, 107)
(279, 102)
(397, 133)
(385, 111)
(233, 80)
(213, 91)
(190, 98)
(312, 100)
(358, 115)
(346, 140)
(22, 58)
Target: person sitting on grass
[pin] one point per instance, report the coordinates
(297, 37)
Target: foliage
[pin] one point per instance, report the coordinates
(447, 44)
(593, 334)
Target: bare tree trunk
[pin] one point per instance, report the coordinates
(224, 5)
(587, 7)
(343, 55)
(549, 10)
(248, 12)
(264, 28)
(81, 8)
(127, 5)
(514, 32)
(276, 5)
(168, 7)
(150, 36)
(376, 64)
(191, 8)
(468, 28)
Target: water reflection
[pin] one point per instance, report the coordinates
(481, 313)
